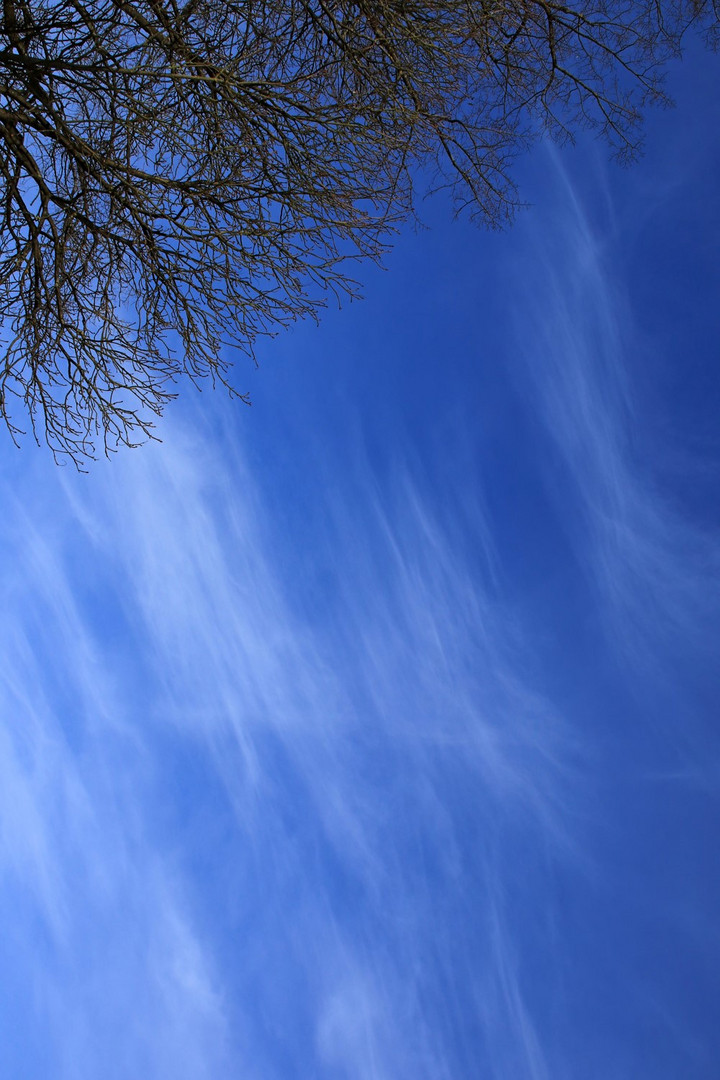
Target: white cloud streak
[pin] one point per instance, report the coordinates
(372, 764)
(656, 572)
(117, 982)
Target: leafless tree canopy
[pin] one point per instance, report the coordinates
(178, 177)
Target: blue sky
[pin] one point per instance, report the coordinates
(371, 732)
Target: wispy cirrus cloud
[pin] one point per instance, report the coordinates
(342, 760)
(108, 973)
(657, 572)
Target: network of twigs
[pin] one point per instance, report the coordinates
(177, 179)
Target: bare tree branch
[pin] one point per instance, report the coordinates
(177, 177)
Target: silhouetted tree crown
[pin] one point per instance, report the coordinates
(180, 177)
